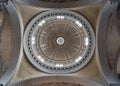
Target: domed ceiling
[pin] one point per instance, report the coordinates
(59, 41)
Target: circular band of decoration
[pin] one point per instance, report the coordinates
(59, 41)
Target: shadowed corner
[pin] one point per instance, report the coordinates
(1, 84)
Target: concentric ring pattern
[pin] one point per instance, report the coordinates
(59, 41)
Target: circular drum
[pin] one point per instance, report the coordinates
(59, 41)
(108, 43)
(10, 43)
(57, 81)
(59, 3)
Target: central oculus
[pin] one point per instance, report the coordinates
(60, 40)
